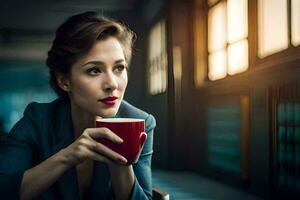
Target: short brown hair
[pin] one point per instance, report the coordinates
(76, 36)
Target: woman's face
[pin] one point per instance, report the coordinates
(98, 79)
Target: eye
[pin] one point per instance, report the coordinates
(120, 68)
(93, 71)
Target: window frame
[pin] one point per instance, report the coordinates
(270, 63)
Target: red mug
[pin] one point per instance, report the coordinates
(131, 130)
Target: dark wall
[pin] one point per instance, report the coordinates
(182, 105)
(146, 14)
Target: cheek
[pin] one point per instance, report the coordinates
(124, 82)
(83, 88)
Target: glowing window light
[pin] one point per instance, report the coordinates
(295, 22)
(157, 79)
(177, 63)
(164, 72)
(157, 59)
(155, 44)
(217, 27)
(273, 26)
(227, 38)
(238, 57)
(151, 82)
(164, 60)
(237, 13)
(217, 65)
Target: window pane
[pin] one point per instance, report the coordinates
(238, 57)
(164, 60)
(273, 27)
(157, 60)
(295, 22)
(237, 13)
(152, 81)
(155, 42)
(217, 27)
(164, 72)
(217, 65)
(177, 63)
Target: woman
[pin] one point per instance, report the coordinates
(51, 153)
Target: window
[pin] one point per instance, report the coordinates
(157, 59)
(286, 136)
(228, 135)
(227, 38)
(295, 19)
(273, 26)
(222, 35)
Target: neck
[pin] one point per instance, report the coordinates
(81, 120)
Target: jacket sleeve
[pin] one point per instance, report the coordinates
(15, 158)
(142, 188)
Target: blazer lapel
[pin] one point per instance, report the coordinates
(63, 136)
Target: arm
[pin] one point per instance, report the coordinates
(122, 178)
(18, 179)
(35, 181)
(135, 181)
(16, 157)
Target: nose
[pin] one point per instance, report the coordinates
(110, 82)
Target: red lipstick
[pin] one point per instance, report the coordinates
(110, 101)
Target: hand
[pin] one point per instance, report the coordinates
(86, 147)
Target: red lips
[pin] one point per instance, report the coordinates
(110, 101)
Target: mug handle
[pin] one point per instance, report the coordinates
(143, 138)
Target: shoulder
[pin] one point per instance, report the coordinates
(39, 113)
(38, 110)
(128, 110)
(39, 116)
(35, 118)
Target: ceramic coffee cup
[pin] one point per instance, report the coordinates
(131, 130)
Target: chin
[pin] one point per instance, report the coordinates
(103, 111)
(108, 112)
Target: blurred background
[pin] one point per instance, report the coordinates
(220, 76)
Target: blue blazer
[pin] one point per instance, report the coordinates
(47, 128)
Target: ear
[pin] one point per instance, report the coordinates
(63, 81)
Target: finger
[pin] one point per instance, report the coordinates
(104, 150)
(97, 157)
(104, 133)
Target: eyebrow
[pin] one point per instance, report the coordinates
(96, 62)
